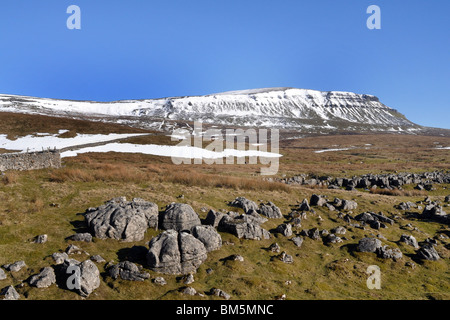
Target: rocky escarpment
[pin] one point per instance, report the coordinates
(288, 108)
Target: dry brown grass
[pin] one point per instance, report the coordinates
(190, 177)
(16, 124)
(399, 193)
(99, 172)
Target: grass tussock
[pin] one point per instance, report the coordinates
(399, 193)
(9, 178)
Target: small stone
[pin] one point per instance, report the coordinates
(285, 257)
(44, 279)
(59, 257)
(297, 241)
(16, 266)
(237, 257)
(2, 274)
(98, 259)
(189, 291)
(339, 230)
(189, 279)
(127, 270)
(73, 249)
(160, 281)
(86, 237)
(409, 240)
(274, 247)
(9, 293)
(41, 239)
(220, 293)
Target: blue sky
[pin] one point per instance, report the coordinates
(139, 49)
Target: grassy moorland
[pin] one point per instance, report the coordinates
(51, 202)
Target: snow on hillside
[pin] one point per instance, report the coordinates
(263, 107)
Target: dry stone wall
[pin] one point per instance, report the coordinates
(30, 161)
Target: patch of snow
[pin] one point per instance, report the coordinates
(188, 152)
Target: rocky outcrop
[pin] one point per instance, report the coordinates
(247, 205)
(242, 229)
(270, 211)
(122, 220)
(179, 217)
(174, 252)
(385, 181)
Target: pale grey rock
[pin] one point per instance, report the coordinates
(43, 238)
(98, 259)
(122, 220)
(252, 217)
(59, 257)
(127, 270)
(175, 252)
(317, 200)
(286, 258)
(285, 229)
(44, 279)
(270, 210)
(386, 252)
(220, 293)
(208, 236)
(160, 281)
(368, 245)
(339, 230)
(298, 241)
(348, 205)
(304, 206)
(16, 266)
(85, 237)
(409, 240)
(242, 229)
(428, 252)
(245, 204)
(89, 279)
(275, 247)
(213, 218)
(179, 217)
(189, 291)
(189, 279)
(9, 293)
(2, 274)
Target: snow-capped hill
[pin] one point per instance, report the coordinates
(288, 108)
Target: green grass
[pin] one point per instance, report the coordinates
(318, 271)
